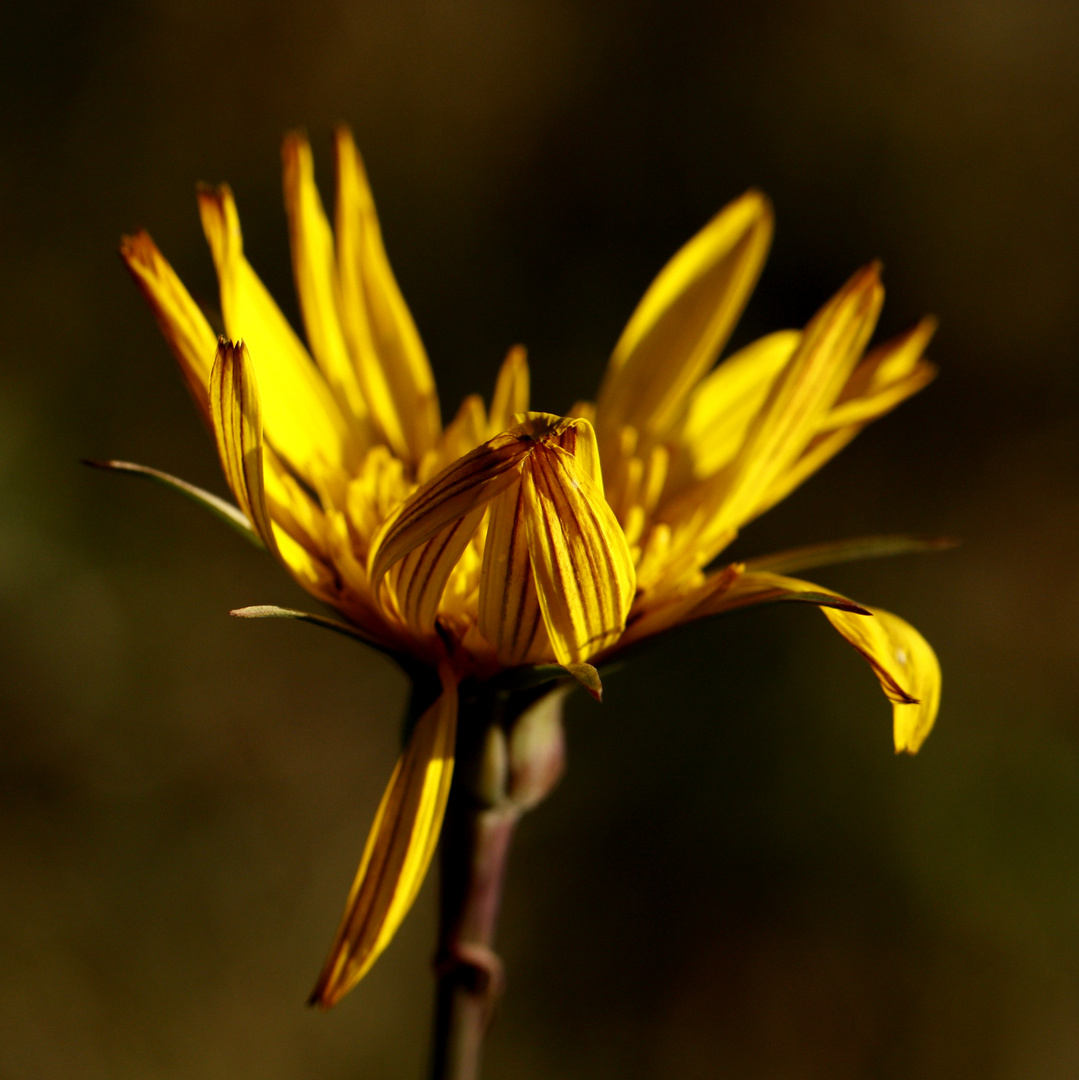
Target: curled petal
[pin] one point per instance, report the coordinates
(470, 482)
(903, 661)
(509, 611)
(581, 561)
(399, 848)
(905, 665)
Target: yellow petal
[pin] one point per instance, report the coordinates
(903, 661)
(391, 362)
(422, 574)
(237, 420)
(905, 665)
(791, 416)
(185, 327)
(511, 391)
(725, 403)
(303, 421)
(315, 271)
(581, 561)
(470, 482)
(509, 610)
(398, 851)
(683, 320)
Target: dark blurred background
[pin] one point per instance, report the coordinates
(737, 878)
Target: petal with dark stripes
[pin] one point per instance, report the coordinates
(399, 848)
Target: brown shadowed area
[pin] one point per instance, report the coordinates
(737, 877)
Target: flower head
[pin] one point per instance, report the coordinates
(514, 538)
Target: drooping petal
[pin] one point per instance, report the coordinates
(398, 851)
(509, 610)
(236, 412)
(581, 561)
(683, 320)
(511, 391)
(390, 359)
(905, 665)
(185, 327)
(314, 268)
(903, 661)
(470, 482)
(303, 420)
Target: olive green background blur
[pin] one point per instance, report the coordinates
(737, 877)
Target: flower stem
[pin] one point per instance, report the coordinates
(475, 846)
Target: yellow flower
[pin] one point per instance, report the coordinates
(513, 537)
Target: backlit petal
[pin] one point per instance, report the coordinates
(185, 327)
(391, 362)
(905, 665)
(511, 391)
(683, 320)
(315, 271)
(303, 421)
(903, 661)
(398, 851)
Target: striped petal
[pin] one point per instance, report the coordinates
(237, 419)
(398, 851)
(683, 320)
(303, 421)
(509, 610)
(470, 482)
(420, 577)
(582, 564)
(390, 359)
(185, 327)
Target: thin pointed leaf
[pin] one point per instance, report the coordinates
(231, 515)
(841, 551)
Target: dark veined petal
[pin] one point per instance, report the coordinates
(470, 482)
(399, 848)
(420, 577)
(237, 419)
(509, 611)
(582, 564)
